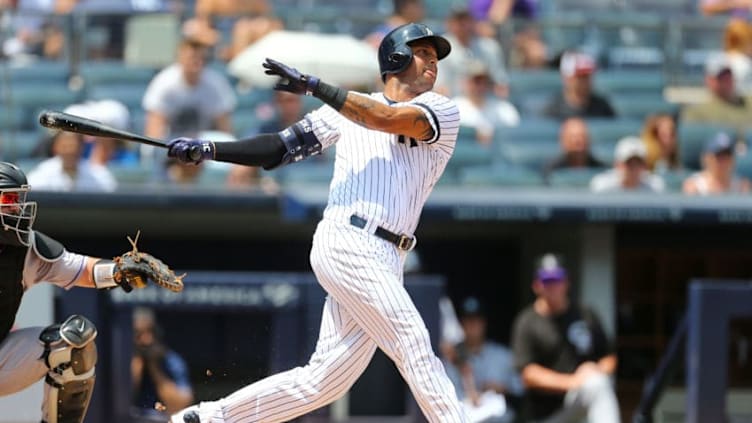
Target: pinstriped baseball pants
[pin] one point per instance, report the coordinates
(367, 307)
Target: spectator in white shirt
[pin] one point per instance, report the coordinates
(66, 171)
(630, 172)
(478, 106)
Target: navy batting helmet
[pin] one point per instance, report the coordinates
(11, 176)
(395, 53)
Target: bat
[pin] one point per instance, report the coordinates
(72, 123)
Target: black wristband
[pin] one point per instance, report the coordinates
(331, 95)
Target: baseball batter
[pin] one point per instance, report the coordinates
(392, 147)
(63, 354)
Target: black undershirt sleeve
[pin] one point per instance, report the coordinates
(264, 150)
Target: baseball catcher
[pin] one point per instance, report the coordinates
(64, 354)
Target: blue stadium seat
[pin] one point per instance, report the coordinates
(611, 130)
(245, 122)
(35, 95)
(129, 93)
(253, 98)
(572, 178)
(468, 152)
(44, 70)
(529, 82)
(692, 138)
(604, 151)
(636, 58)
(20, 144)
(500, 175)
(11, 118)
(674, 179)
(529, 130)
(533, 155)
(641, 105)
(114, 71)
(617, 82)
(131, 175)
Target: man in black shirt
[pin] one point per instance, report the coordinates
(574, 139)
(563, 354)
(577, 97)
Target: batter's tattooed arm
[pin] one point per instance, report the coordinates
(410, 121)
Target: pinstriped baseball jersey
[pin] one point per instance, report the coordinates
(383, 176)
(385, 179)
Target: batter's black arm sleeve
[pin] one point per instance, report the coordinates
(264, 150)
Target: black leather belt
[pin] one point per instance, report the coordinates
(403, 242)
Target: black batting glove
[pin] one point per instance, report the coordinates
(189, 150)
(291, 79)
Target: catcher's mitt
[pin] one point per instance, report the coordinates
(134, 269)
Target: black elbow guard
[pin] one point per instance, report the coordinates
(300, 142)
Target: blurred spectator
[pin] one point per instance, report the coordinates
(404, 11)
(159, 375)
(630, 172)
(724, 106)
(574, 140)
(179, 173)
(659, 135)
(66, 171)
(242, 177)
(491, 13)
(186, 98)
(529, 51)
(479, 108)
(106, 20)
(36, 28)
(483, 372)
(577, 97)
(498, 11)
(288, 109)
(467, 47)
(736, 8)
(563, 354)
(241, 22)
(737, 46)
(718, 170)
(102, 150)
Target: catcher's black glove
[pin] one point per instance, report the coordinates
(134, 269)
(291, 79)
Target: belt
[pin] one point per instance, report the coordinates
(403, 242)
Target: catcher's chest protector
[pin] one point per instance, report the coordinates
(11, 286)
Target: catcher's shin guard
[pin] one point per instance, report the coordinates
(70, 353)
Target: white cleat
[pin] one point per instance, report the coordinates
(201, 413)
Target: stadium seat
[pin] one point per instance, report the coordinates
(500, 175)
(130, 94)
(604, 151)
(151, 39)
(42, 70)
(641, 105)
(20, 144)
(674, 179)
(468, 152)
(253, 98)
(11, 118)
(635, 58)
(529, 130)
(532, 155)
(131, 175)
(572, 178)
(617, 82)
(114, 71)
(528, 82)
(34, 95)
(692, 138)
(245, 122)
(611, 130)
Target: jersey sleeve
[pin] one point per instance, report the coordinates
(62, 272)
(325, 123)
(442, 114)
